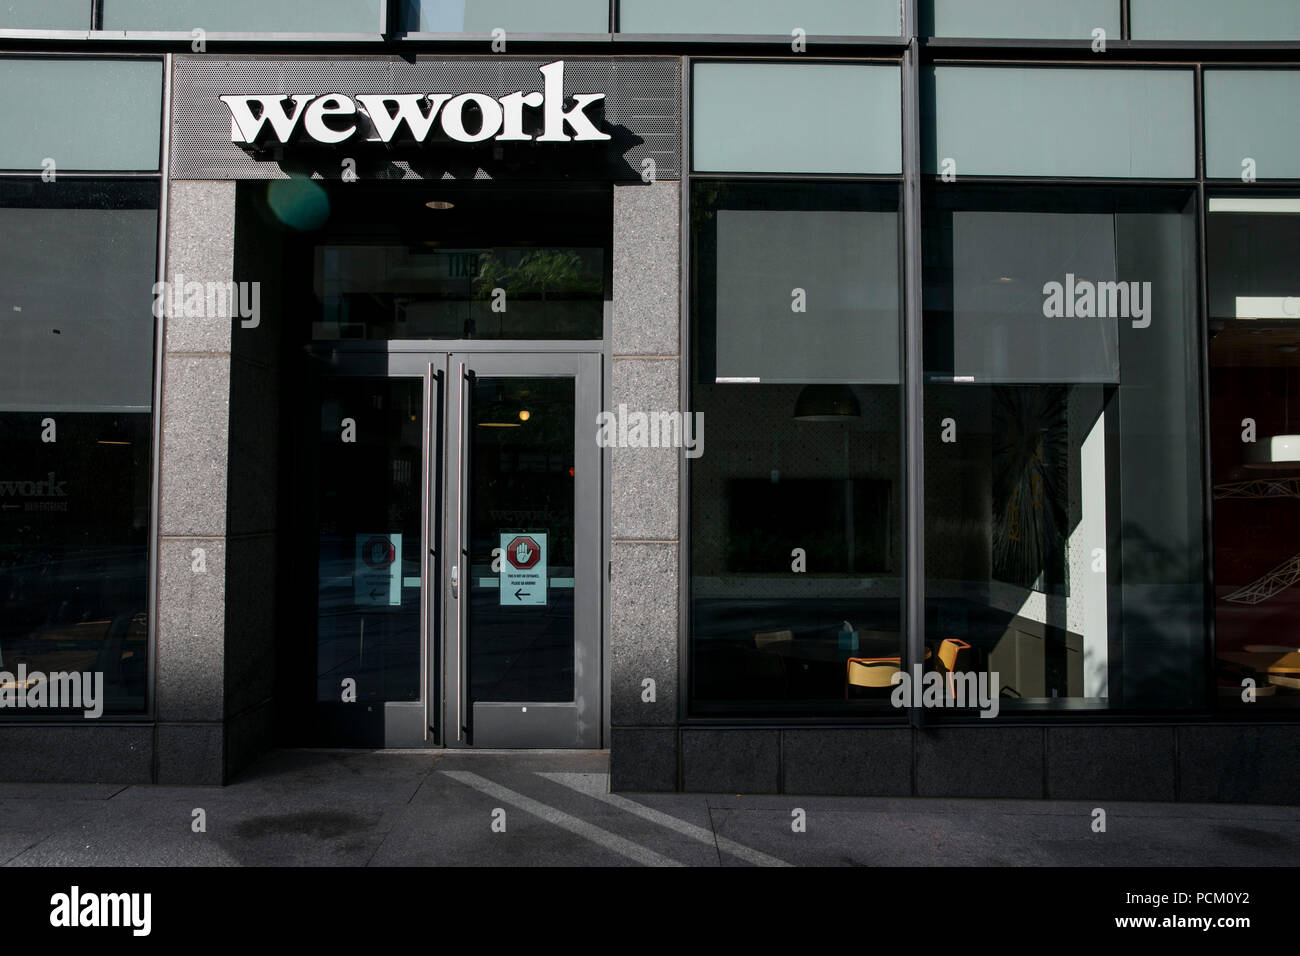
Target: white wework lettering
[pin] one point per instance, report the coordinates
(246, 128)
(555, 115)
(513, 106)
(453, 118)
(333, 104)
(408, 111)
(502, 117)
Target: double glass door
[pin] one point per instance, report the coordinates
(458, 592)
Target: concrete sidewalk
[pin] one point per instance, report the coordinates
(354, 808)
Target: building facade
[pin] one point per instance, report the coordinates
(843, 396)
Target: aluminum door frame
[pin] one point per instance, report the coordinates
(569, 725)
(412, 724)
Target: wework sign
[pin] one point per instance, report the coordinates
(542, 115)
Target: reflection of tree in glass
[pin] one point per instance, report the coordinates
(545, 273)
(1030, 494)
(708, 195)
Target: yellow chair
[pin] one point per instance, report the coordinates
(873, 672)
(772, 640)
(948, 653)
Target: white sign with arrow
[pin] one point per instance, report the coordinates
(523, 569)
(377, 578)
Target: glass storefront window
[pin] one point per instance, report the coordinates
(1252, 124)
(794, 118)
(1058, 121)
(243, 16)
(1215, 20)
(80, 114)
(430, 264)
(796, 548)
(513, 16)
(1020, 19)
(1254, 331)
(75, 434)
(1063, 501)
(45, 15)
(882, 18)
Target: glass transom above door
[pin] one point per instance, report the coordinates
(459, 262)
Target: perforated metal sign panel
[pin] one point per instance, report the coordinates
(641, 112)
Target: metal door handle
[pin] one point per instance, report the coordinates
(455, 581)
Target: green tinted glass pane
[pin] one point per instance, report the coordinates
(244, 16)
(814, 17)
(513, 16)
(1000, 121)
(1215, 20)
(1252, 123)
(44, 14)
(83, 114)
(791, 118)
(1028, 19)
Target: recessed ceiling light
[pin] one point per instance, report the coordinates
(440, 204)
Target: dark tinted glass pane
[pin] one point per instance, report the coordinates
(88, 343)
(486, 293)
(76, 381)
(1255, 446)
(521, 501)
(1063, 501)
(74, 552)
(796, 546)
(452, 261)
(371, 543)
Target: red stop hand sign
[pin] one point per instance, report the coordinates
(523, 552)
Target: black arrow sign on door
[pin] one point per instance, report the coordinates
(521, 593)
